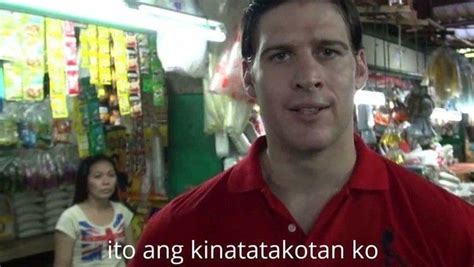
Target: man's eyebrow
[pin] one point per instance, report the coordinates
(286, 47)
(343, 45)
(276, 47)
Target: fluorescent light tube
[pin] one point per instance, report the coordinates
(116, 14)
(469, 55)
(173, 20)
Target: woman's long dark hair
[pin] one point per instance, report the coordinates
(82, 192)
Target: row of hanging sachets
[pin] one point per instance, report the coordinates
(32, 46)
(22, 53)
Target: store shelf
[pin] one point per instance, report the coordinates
(26, 247)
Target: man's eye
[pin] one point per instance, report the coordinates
(280, 57)
(328, 53)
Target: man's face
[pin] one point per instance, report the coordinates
(304, 75)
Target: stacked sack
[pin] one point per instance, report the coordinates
(55, 202)
(29, 213)
(38, 212)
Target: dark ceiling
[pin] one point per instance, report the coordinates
(423, 23)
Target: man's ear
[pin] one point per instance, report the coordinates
(362, 71)
(247, 78)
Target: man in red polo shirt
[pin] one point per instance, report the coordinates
(310, 193)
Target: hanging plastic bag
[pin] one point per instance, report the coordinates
(443, 72)
(8, 132)
(181, 49)
(420, 106)
(227, 105)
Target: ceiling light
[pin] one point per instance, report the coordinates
(173, 20)
(469, 55)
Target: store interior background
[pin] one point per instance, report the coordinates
(205, 127)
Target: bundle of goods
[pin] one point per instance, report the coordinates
(55, 202)
(29, 214)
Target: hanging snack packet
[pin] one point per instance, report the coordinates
(32, 28)
(56, 69)
(105, 63)
(70, 53)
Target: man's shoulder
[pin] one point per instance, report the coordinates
(410, 192)
(196, 203)
(410, 184)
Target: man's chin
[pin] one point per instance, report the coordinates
(312, 144)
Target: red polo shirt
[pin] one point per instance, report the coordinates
(385, 215)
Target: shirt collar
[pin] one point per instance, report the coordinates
(369, 172)
(247, 174)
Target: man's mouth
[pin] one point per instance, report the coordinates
(306, 111)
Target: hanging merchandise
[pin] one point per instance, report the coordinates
(86, 121)
(119, 55)
(13, 82)
(136, 162)
(158, 168)
(104, 58)
(90, 49)
(32, 28)
(443, 74)
(228, 107)
(70, 53)
(392, 144)
(84, 48)
(420, 106)
(62, 131)
(48, 170)
(23, 46)
(136, 146)
(134, 75)
(466, 71)
(144, 55)
(95, 128)
(227, 78)
(8, 127)
(96, 140)
(152, 70)
(182, 49)
(56, 69)
(35, 126)
(80, 123)
(9, 34)
(96, 80)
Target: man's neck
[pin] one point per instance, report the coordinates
(304, 184)
(300, 173)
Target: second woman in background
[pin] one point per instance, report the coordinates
(86, 232)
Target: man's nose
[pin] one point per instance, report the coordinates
(308, 75)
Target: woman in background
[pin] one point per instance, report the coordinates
(86, 232)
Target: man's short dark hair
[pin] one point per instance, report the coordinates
(256, 9)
